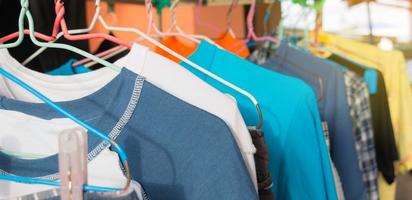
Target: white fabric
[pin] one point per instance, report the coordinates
(25, 133)
(158, 70)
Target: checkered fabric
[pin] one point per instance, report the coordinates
(359, 106)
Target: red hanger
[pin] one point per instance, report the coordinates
(38, 35)
(60, 8)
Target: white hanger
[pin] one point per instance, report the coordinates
(187, 61)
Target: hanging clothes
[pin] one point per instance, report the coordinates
(163, 71)
(360, 110)
(385, 145)
(178, 81)
(328, 83)
(393, 68)
(148, 122)
(392, 65)
(294, 118)
(39, 143)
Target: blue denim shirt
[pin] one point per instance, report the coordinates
(175, 150)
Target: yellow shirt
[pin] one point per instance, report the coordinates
(393, 67)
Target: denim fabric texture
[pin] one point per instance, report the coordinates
(175, 150)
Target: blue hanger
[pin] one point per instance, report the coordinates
(59, 109)
(22, 179)
(50, 103)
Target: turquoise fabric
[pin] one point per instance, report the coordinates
(299, 159)
(66, 69)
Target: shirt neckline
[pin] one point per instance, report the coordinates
(92, 108)
(92, 81)
(206, 53)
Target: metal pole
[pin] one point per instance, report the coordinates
(369, 22)
(410, 25)
(318, 25)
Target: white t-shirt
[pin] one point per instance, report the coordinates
(29, 134)
(160, 71)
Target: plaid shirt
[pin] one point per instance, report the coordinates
(359, 106)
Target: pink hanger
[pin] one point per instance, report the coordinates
(99, 55)
(251, 31)
(26, 32)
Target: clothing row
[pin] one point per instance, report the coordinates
(329, 123)
(184, 139)
(377, 94)
(364, 103)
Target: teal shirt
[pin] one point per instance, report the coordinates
(66, 69)
(299, 159)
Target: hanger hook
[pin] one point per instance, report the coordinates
(251, 15)
(174, 15)
(266, 18)
(111, 10)
(229, 15)
(149, 7)
(260, 115)
(24, 4)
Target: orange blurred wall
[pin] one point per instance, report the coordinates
(210, 21)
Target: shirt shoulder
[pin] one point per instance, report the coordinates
(184, 139)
